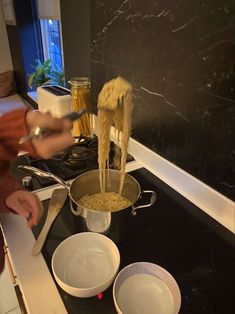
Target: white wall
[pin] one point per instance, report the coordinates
(5, 56)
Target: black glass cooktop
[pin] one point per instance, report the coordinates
(174, 234)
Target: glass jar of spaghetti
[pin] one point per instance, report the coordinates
(81, 99)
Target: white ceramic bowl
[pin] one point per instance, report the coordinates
(85, 264)
(146, 288)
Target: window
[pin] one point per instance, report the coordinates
(51, 41)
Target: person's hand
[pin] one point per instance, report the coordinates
(25, 204)
(58, 138)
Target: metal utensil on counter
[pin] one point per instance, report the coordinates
(57, 201)
(38, 132)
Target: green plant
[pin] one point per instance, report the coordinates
(58, 76)
(45, 74)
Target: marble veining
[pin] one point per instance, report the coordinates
(179, 57)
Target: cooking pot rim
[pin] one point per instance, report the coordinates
(100, 211)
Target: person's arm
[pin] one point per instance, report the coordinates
(56, 139)
(14, 198)
(18, 123)
(8, 185)
(12, 127)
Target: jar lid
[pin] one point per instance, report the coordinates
(80, 81)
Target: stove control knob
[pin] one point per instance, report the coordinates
(27, 182)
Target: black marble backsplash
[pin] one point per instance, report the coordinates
(180, 58)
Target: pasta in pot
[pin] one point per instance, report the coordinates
(107, 201)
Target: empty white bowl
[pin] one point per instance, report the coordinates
(85, 264)
(146, 288)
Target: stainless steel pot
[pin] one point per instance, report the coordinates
(113, 224)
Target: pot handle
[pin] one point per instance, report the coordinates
(78, 211)
(44, 174)
(152, 201)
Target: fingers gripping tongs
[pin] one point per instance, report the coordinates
(38, 132)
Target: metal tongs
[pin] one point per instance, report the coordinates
(38, 132)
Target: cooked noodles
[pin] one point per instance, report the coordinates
(105, 121)
(108, 201)
(116, 97)
(114, 108)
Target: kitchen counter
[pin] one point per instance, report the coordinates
(174, 234)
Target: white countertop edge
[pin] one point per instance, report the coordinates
(38, 289)
(215, 204)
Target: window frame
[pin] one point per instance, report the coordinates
(45, 42)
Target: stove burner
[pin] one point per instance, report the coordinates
(81, 153)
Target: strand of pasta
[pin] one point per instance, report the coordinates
(127, 112)
(105, 118)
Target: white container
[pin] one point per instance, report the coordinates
(85, 264)
(54, 99)
(147, 288)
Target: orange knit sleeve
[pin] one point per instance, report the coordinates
(12, 128)
(8, 185)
